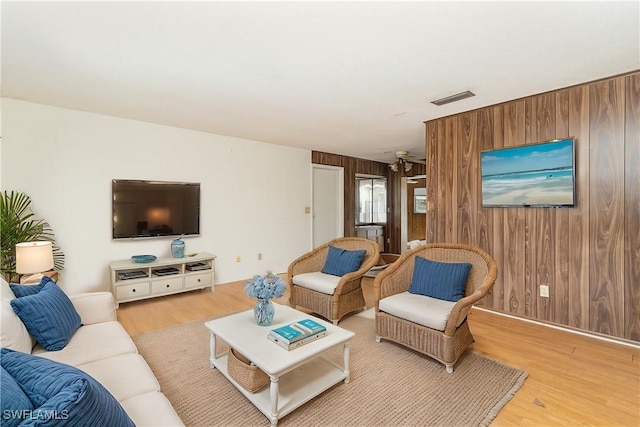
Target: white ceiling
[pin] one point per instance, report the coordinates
(353, 78)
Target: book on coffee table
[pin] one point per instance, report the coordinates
(312, 325)
(297, 331)
(296, 344)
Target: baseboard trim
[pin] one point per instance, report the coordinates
(601, 337)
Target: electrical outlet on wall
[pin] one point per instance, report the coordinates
(238, 259)
(544, 290)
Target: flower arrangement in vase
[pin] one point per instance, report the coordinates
(264, 288)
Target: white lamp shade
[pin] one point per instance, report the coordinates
(34, 257)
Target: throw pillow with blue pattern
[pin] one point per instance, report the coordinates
(14, 402)
(441, 280)
(57, 395)
(48, 315)
(27, 290)
(341, 261)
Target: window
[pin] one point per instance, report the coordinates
(420, 200)
(371, 200)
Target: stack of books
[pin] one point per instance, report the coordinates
(165, 271)
(297, 334)
(197, 266)
(132, 275)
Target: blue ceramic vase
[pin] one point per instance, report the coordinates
(177, 248)
(264, 311)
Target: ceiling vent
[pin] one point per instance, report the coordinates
(453, 98)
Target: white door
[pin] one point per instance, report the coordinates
(327, 203)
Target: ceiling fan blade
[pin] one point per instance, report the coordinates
(404, 156)
(414, 160)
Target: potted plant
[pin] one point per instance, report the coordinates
(18, 224)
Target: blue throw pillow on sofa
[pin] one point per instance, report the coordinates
(26, 290)
(441, 280)
(14, 402)
(49, 316)
(341, 261)
(62, 395)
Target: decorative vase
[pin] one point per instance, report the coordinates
(264, 311)
(177, 248)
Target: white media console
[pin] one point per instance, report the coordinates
(131, 281)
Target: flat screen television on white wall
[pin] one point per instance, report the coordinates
(533, 175)
(145, 209)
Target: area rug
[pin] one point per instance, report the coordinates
(390, 385)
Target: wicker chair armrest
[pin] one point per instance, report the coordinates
(461, 309)
(345, 286)
(393, 280)
(457, 315)
(351, 281)
(396, 278)
(307, 263)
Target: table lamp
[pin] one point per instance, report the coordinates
(33, 258)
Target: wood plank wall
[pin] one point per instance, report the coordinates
(394, 187)
(416, 222)
(589, 255)
(351, 166)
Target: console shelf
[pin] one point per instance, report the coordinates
(131, 281)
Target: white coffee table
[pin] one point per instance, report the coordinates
(297, 376)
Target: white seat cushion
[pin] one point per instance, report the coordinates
(423, 310)
(151, 409)
(317, 281)
(123, 376)
(90, 343)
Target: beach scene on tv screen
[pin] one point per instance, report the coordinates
(529, 175)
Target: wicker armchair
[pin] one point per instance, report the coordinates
(448, 344)
(347, 296)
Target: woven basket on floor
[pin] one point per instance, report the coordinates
(249, 376)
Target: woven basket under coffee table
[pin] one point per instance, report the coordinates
(249, 376)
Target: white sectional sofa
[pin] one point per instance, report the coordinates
(103, 349)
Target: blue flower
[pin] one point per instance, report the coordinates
(265, 287)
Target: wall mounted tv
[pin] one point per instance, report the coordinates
(534, 175)
(154, 208)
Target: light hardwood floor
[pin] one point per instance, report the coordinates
(573, 379)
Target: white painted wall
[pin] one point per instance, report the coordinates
(253, 194)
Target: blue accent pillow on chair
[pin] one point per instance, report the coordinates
(25, 290)
(49, 316)
(341, 261)
(14, 402)
(62, 395)
(441, 280)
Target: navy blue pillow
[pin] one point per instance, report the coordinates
(49, 316)
(61, 394)
(341, 261)
(14, 402)
(441, 280)
(25, 290)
